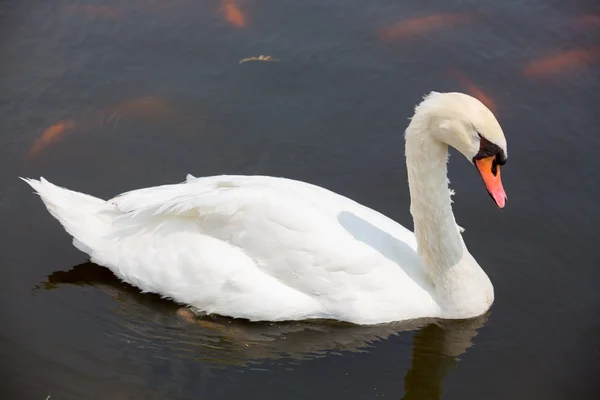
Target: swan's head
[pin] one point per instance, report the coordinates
(466, 124)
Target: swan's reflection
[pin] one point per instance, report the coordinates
(165, 326)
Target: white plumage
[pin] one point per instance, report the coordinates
(266, 248)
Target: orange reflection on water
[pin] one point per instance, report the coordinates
(407, 28)
(50, 135)
(146, 108)
(97, 10)
(474, 90)
(232, 13)
(589, 20)
(562, 62)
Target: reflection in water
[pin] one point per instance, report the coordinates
(415, 26)
(474, 90)
(562, 62)
(232, 13)
(436, 348)
(589, 20)
(156, 324)
(147, 109)
(50, 135)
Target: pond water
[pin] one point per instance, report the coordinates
(107, 96)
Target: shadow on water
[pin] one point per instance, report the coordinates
(159, 324)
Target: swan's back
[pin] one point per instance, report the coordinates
(263, 248)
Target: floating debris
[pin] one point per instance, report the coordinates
(259, 58)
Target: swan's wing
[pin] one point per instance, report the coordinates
(279, 228)
(247, 243)
(177, 199)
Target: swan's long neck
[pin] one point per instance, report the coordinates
(439, 242)
(463, 290)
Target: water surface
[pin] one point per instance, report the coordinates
(108, 96)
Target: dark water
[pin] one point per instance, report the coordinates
(103, 97)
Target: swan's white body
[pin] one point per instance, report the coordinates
(266, 248)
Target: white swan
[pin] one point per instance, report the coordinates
(265, 248)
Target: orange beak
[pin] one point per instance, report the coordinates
(490, 172)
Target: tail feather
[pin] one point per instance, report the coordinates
(83, 216)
